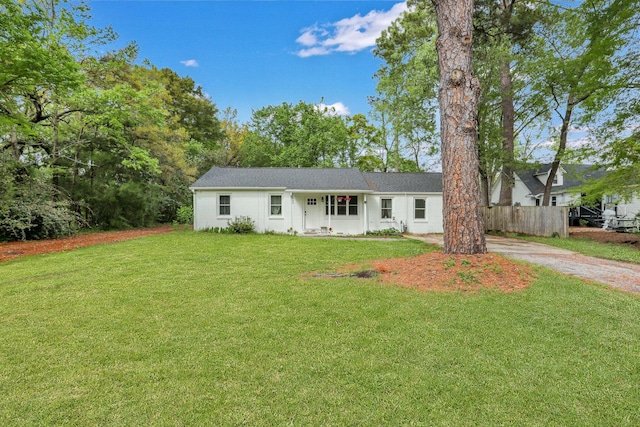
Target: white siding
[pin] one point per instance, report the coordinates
(520, 193)
(403, 213)
(254, 204)
(630, 209)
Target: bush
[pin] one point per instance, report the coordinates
(385, 232)
(241, 225)
(35, 220)
(184, 215)
(32, 209)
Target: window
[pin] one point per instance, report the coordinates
(275, 203)
(419, 208)
(341, 205)
(330, 205)
(225, 204)
(353, 205)
(386, 205)
(554, 201)
(312, 202)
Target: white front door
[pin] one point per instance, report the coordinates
(313, 213)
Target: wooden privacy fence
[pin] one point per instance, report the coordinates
(543, 221)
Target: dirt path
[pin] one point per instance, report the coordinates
(621, 275)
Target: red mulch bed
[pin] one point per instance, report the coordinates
(13, 250)
(436, 271)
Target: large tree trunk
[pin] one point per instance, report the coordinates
(508, 119)
(458, 96)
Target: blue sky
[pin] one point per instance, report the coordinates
(251, 54)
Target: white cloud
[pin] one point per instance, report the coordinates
(190, 63)
(337, 109)
(348, 35)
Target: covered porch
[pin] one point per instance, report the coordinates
(330, 213)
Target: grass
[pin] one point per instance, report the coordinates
(612, 251)
(201, 329)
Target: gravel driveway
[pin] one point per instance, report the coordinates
(621, 275)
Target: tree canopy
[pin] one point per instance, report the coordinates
(91, 139)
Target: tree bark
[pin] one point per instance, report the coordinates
(458, 97)
(562, 146)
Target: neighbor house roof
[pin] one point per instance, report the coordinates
(317, 179)
(573, 176)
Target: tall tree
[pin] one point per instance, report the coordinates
(289, 135)
(458, 97)
(407, 82)
(584, 67)
(499, 26)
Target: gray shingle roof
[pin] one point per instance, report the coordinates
(315, 179)
(574, 176)
(401, 182)
(289, 178)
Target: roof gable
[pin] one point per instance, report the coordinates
(573, 176)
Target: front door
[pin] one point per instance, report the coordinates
(312, 213)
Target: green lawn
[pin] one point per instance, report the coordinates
(215, 330)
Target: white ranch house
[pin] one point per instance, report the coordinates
(319, 201)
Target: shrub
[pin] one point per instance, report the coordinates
(35, 220)
(241, 225)
(385, 232)
(184, 215)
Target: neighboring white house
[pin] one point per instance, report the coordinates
(529, 190)
(529, 184)
(314, 200)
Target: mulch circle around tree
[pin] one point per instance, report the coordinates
(436, 271)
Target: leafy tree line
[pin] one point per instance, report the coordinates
(87, 139)
(544, 68)
(94, 139)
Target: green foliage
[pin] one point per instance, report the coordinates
(591, 65)
(301, 135)
(33, 210)
(184, 215)
(385, 232)
(407, 88)
(241, 225)
(122, 142)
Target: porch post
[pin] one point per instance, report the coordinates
(329, 201)
(364, 214)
